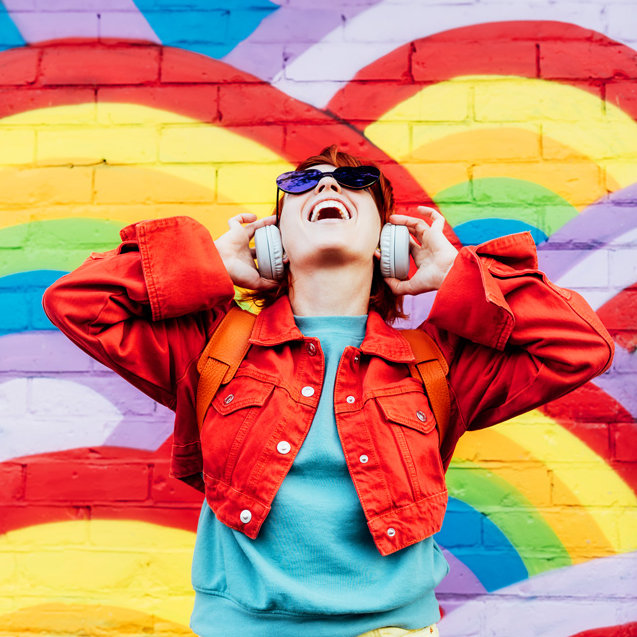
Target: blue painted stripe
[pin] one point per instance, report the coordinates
(480, 230)
(21, 301)
(481, 546)
(209, 27)
(10, 37)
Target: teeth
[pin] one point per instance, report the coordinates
(329, 203)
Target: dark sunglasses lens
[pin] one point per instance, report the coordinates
(357, 176)
(298, 181)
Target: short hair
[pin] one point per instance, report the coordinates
(382, 299)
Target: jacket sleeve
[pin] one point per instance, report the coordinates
(513, 339)
(146, 309)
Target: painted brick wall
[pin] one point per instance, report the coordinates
(506, 116)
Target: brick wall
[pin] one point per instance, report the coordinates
(505, 116)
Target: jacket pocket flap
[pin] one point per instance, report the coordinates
(241, 392)
(409, 409)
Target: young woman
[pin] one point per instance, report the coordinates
(321, 462)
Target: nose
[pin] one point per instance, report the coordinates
(327, 183)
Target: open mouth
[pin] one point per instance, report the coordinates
(329, 209)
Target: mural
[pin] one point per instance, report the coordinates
(506, 117)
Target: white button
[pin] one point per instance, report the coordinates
(283, 447)
(391, 531)
(350, 399)
(364, 459)
(421, 416)
(228, 399)
(245, 516)
(308, 391)
(356, 358)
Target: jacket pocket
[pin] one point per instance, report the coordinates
(410, 409)
(409, 422)
(235, 409)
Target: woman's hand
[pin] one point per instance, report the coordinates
(236, 254)
(433, 253)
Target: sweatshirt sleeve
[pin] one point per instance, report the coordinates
(513, 339)
(146, 309)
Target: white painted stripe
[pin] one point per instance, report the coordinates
(316, 75)
(42, 415)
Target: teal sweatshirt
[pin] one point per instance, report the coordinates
(314, 569)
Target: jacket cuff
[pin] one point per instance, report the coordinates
(182, 268)
(470, 302)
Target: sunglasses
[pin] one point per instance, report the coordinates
(356, 177)
(296, 182)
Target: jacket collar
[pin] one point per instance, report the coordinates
(275, 325)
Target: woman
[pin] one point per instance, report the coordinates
(322, 464)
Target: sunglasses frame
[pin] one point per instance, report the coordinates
(321, 175)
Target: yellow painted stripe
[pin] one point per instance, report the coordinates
(571, 123)
(109, 562)
(94, 620)
(234, 169)
(578, 181)
(575, 480)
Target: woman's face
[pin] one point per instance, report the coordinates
(330, 225)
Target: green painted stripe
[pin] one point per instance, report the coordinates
(505, 198)
(55, 244)
(537, 544)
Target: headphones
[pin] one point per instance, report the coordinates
(394, 252)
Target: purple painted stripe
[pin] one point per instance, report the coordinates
(289, 32)
(72, 19)
(461, 580)
(555, 604)
(595, 227)
(146, 424)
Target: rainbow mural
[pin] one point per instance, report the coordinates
(505, 117)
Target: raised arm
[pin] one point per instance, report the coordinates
(146, 308)
(513, 339)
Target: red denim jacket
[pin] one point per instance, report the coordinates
(513, 341)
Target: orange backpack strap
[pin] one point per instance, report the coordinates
(432, 368)
(222, 356)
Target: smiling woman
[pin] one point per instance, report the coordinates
(322, 459)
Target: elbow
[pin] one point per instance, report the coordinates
(54, 301)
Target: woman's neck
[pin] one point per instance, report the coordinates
(339, 291)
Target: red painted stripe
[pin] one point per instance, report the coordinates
(625, 630)
(207, 90)
(556, 51)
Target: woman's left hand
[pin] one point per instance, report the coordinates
(433, 253)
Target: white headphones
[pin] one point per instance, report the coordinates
(394, 252)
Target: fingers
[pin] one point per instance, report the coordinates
(244, 217)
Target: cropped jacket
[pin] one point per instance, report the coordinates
(513, 340)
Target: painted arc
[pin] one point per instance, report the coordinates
(601, 585)
(459, 520)
(583, 489)
(145, 424)
(481, 230)
(447, 166)
(59, 557)
(189, 151)
(89, 620)
(483, 490)
(361, 101)
(571, 120)
(507, 199)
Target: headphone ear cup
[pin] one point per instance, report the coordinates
(394, 251)
(269, 249)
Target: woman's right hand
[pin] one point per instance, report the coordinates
(236, 254)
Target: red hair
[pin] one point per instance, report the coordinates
(381, 299)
